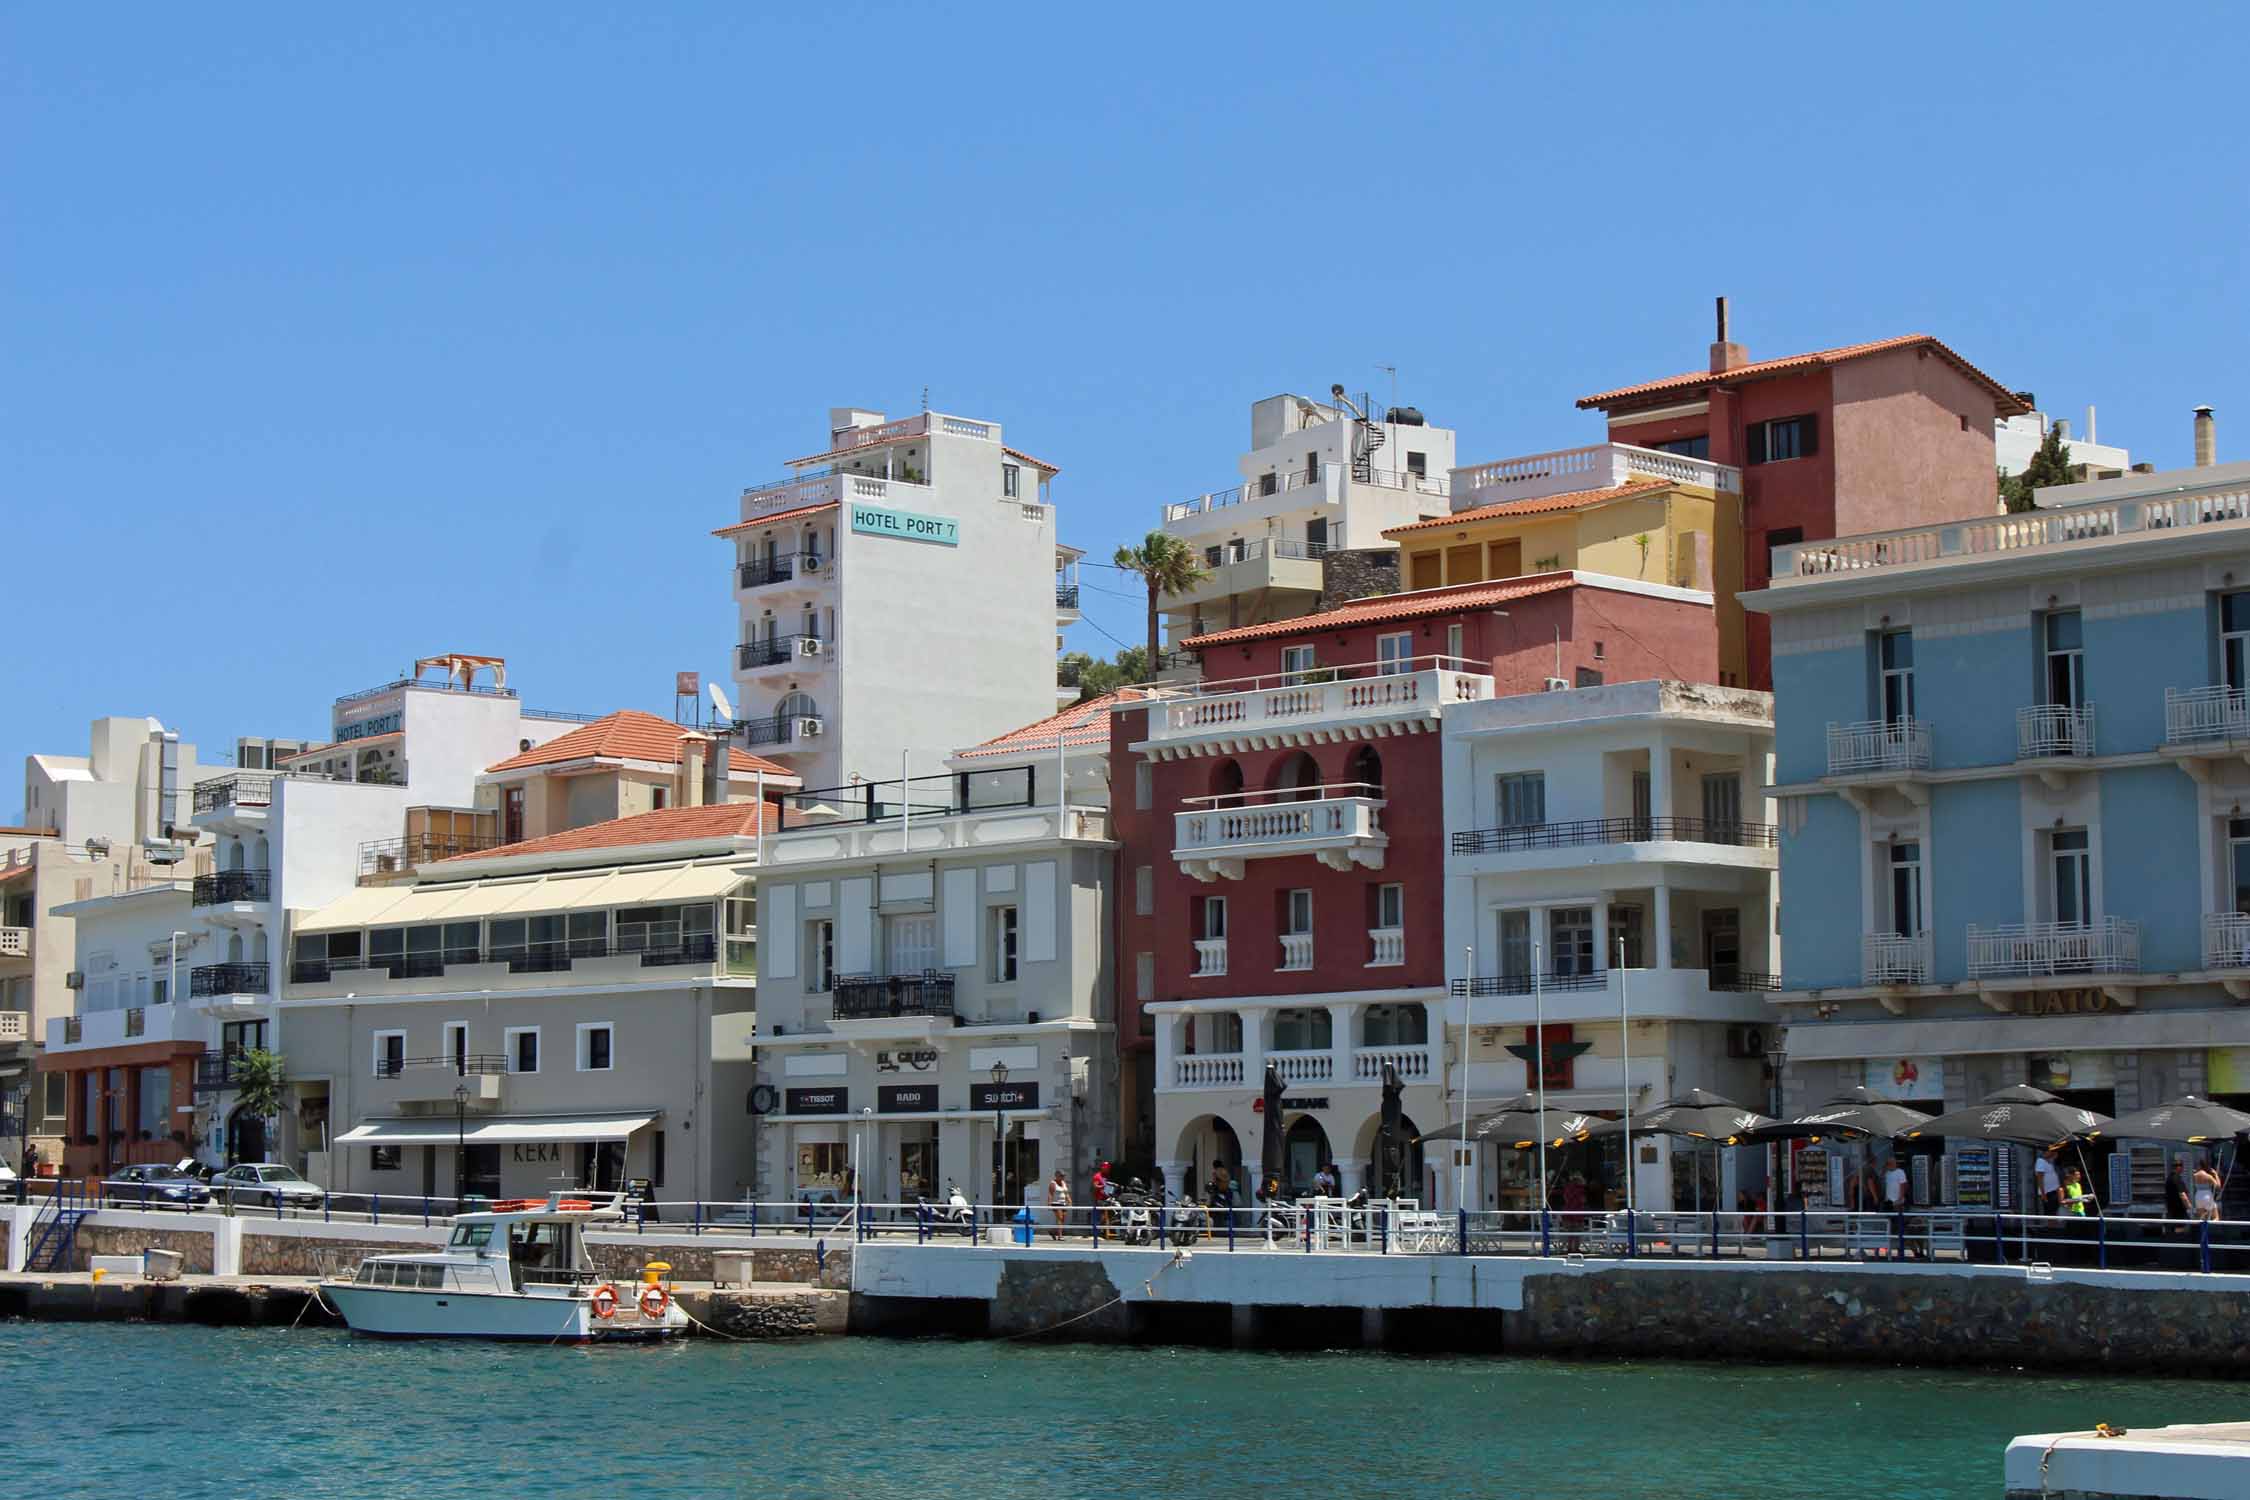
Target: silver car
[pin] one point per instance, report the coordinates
(266, 1183)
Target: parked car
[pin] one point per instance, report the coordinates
(158, 1186)
(267, 1183)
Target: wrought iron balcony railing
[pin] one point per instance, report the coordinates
(865, 997)
(229, 886)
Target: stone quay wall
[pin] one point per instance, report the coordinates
(195, 1247)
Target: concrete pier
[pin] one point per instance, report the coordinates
(2208, 1461)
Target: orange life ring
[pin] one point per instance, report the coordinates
(605, 1301)
(518, 1205)
(575, 1205)
(653, 1302)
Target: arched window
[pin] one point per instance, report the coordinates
(1294, 777)
(1366, 768)
(1226, 778)
(796, 706)
(234, 854)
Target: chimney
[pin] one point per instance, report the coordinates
(695, 750)
(2206, 438)
(2089, 422)
(1726, 356)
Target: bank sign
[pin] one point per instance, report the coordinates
(906, 525)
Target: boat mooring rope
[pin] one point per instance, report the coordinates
(1148, 1288)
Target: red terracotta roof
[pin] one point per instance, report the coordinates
(1575, 500)
(1036, 463)
(779, 515)
(629, 734)
(1445, 601)
(1084, 723)
(2005, 402)
(15, 872)
(673, 825)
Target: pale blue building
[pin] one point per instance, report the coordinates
(2013, 789)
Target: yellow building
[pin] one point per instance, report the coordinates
(1650, 529)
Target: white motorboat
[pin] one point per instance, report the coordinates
(517, 1271)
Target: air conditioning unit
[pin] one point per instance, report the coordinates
(812, 563)
(1556, 685)
(810, 729)
(808, 645)
(74, 980)
(1746, 1041)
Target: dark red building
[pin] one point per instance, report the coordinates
(1282, 836)
(1839, 442)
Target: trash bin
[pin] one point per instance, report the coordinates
(1023, 1225)
(730, 1267)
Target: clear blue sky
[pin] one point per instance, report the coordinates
(338, 336)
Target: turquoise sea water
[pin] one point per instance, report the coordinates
(143, 1411)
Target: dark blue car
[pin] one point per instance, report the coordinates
(155, 1187)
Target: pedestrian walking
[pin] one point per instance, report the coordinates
(1058, 1202)
(2075, 1196)
(2207, 1185)
(2176, 1203)
(2050, 1181)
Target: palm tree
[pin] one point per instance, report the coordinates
(1168, 566)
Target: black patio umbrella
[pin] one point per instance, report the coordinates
(1270, 1145)
(1393, 1126)
(1854, 1113)
(1696, 1114)
(2189, 1119)
(1517, 1124)
(2023, 1122)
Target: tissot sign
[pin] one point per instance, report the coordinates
(818, 1101)
(907, 525)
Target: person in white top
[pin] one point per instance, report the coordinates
(2207, 1185)
(2050, 1182)
(1894, 1186)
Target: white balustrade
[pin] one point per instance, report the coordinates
(1296, 950)
(1294, 826)
(2063, 524)
(15, 1025)
(1210, 957)
(2111, 945)
(1878, 745)
(1368, 692)
(1304, 1067)
(2046, 730)
(2205, 713)
(2226, 940)
(1205, 1072)
(1413, 1063)
(1387, 945)
(1600, 466)
(15, 942)
(1894, 958)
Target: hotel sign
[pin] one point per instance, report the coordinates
(906, 525)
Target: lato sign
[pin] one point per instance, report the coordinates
(2064, 1003)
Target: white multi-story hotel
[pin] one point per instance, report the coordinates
(899, 593)
(1610, 863)
(1319, 478)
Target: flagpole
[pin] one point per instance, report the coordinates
(1539, 1060)
(1625, 1042)
(1468, 1003)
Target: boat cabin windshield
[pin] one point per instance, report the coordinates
(540, 1246)
(471, 1236)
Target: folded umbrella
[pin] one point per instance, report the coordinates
(2189, 1118)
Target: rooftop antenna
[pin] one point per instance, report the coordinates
(721, 706)
(925, 400)
(1392, 371)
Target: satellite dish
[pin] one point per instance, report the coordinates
(719, 702)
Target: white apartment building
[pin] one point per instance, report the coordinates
(571, 1010)
(1320, 477)
(894, 596)
(936, 974)
(2015, 439)
(1610, 872)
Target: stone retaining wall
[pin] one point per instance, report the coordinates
(195, 1248)
(305, 1255)
(690, 1260)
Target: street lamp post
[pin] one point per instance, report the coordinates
(999, 1128)
(460, 1145)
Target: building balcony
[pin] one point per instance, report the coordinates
(1296, 952)
(1580, 832)
(232, 888)
(1231, 714)
(2208, 716)
(218, 1071)
(1550, 981)
(15, 1027)
(2022, 950)
(1210, 958)
(1385, 946)
(1600, 466)
(784, 651)
(1360, 1067)
(1208, 1071)
(1066, 599)
(2051, 731)
(15, 942)
(2226, 940)
(782, 732)
(434, 1080)
(1415, 1064)
(1894, 958)
(1255, 568)
(208, 981)
(786, 567)
(1340, 825)
(865, 997)
(822, 489)
(1310, 1065)
(243, 793)
(1878, 747)
(383, 861)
